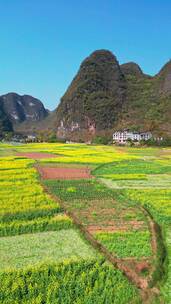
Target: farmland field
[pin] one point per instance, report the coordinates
(100, 238)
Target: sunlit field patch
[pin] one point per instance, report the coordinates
(77, 153)
(23, 203)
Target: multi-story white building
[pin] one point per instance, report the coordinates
(123, 136)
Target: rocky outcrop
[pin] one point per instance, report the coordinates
(133, 69)
(23, 108)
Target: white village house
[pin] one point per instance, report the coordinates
(123, 136)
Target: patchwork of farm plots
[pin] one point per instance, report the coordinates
(122, 229)
(44, 258)
(109, 207)
(147, 183)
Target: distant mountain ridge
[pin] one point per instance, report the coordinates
(18, 109)
(105, 95)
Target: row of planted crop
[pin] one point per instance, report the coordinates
(80, 281)
(46, 223)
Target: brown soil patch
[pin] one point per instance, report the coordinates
(125, 225)
(129, 267)
(64, 173)
(37, 155)
(114, 226)
(142, 266)
(94, 229)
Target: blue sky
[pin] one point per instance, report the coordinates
(42, 42)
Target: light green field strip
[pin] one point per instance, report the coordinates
(162, 181)
(30, 249)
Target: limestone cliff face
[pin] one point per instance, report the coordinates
(95, 96)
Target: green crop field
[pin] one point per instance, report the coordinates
(28, 249)
(76, 240)
(123, 244)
